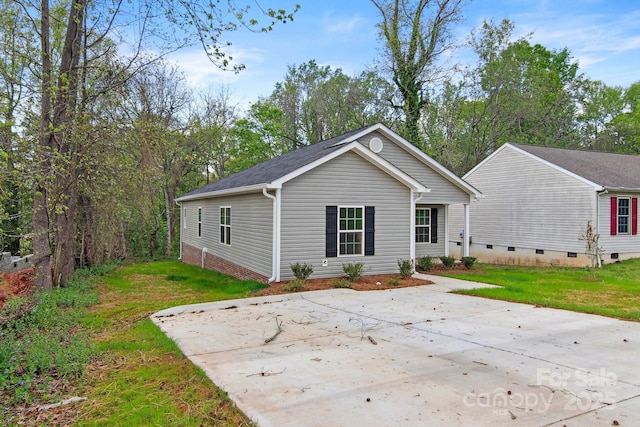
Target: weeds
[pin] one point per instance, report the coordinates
(302, 271)
(294, 286)
(447, 261)
(468, 261)
(341, 283)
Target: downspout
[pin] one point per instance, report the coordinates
(598, 194)
(467, 233)
(180, 228)
(275, 249)
(204, 253)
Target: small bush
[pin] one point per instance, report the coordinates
(425, 263)
(468, 261)
(341, 283)
(406, 267)
(447, 261)
(302, 271)
(294, 285)
(393, 281)
(353, 270)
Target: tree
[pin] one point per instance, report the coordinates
(318, 103)
(627, 124)
(416, 35)
(68, 50)
(599, 105)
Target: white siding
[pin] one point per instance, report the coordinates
(442, 190)
(251, 230)
(348, 180)
(527, 204)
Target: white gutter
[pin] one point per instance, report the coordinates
(204, 252)
(275, 263)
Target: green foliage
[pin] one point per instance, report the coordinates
(468, 261)
(394, 281)
(42, 343)
(353, 270)
(302, 271)
(425, 263)
(341, 283)
(448, 261)
(615, 294)
(295, 285)
(406, 267)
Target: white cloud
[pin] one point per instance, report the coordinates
(341, 25)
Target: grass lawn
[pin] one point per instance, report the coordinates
(139, 376)
(614, 293)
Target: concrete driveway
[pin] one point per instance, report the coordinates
(416, 356)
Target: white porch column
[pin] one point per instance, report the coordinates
(467, 233)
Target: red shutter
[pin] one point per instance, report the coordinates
(614, 216)
(634, 216)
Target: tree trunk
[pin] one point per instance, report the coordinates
(167, 206)
(41, 245)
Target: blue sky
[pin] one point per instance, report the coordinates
(602, 35)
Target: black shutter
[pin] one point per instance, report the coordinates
(434, 225)
(332, 232)
(369, 230)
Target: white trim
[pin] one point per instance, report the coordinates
(220, 225)
(446, 230)
(275, 239)
(226, 192)
(421, 155)
(596, 187)
(361, 231)
(467, 233)
(364, 153)
(430, 226)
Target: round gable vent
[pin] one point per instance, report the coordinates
(375, 144)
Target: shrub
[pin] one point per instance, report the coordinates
(294, 285)
(425, 263)
(406, 267)
(393, 281)
(341, 283)
(353, 270)
(468, 261)
(447, 261)
(302, 271)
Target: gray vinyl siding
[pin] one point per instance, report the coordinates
(348, 180)
(527, 204)
(620, 243)
(442, 191)
(251, 230)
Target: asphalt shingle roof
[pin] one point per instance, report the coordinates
(611, 170)
(275, 168)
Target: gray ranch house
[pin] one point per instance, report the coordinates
(537, 202)
(365, 196)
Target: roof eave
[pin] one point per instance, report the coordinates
(227, 192)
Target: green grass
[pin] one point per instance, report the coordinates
(140, 377)
(614, 293)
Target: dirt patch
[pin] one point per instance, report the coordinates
(19, 283)
(365, 283)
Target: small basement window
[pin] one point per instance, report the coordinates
(572, 255)
(540, 251)
(614, 255)
(511, 249)
(489, 246)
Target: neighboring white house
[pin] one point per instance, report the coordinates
(365, 196)
(537, 202)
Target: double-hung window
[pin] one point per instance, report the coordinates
(423, 225)
(225, 225)
(199, 222)
(351, 230)
(623, 215)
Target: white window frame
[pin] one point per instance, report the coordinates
(342, 232)
(199, 221)
(627, 216)
(184, 217)
(415, 231)
(225, 229)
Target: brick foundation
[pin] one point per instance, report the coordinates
(192, 255)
